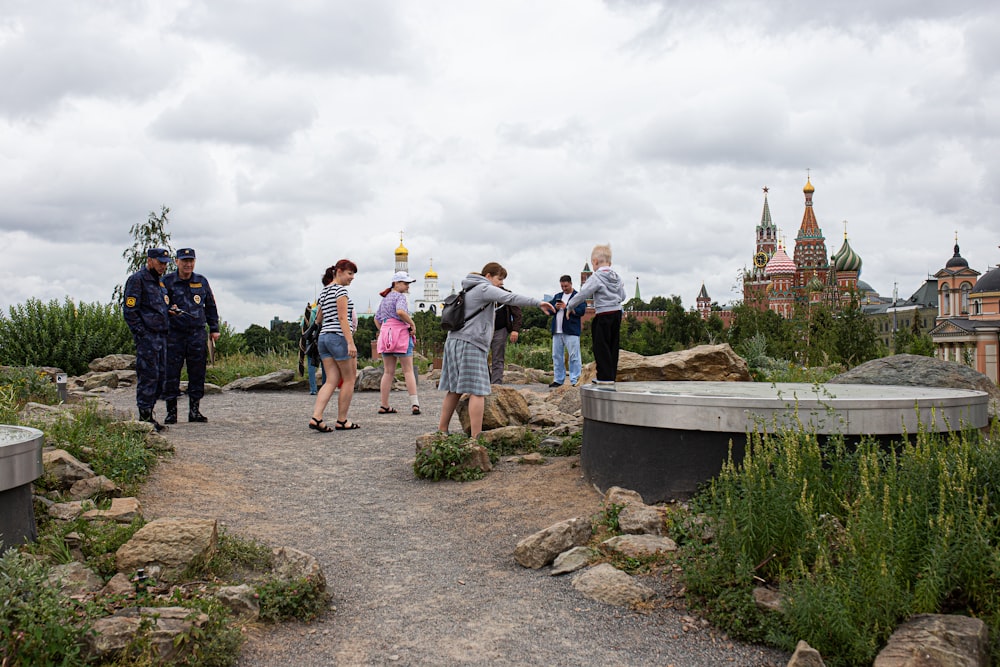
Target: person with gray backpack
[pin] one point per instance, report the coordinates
(464, 369)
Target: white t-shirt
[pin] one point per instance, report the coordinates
(561, 312)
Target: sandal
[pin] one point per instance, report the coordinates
(342, 426)
(416, 409)
(383, 410)
(319, 425)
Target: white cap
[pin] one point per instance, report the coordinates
(402, 277)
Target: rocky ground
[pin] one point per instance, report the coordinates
(420, 573)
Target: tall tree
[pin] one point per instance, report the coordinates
(150, 234)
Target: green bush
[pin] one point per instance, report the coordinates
(858, 538)
(301, 599)
(444, 458)
(68, 336)
(37, 625)
(27, 384)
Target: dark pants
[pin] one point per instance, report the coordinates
(498, 352)
(606, 330)
(150, 369)
(186, 346)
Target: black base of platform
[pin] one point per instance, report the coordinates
(17, 517)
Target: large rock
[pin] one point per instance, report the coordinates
(805, 656)
(122, 510)
(541, 548)
(913, 370)
(607, 584)
(64, 469)
(369, 379)
(75, 579)
(113, 362)
(639, 546)
(282, 379)
(107, 379)
(937, 640)
(705, 363)
(290, 564)
(92, 486)
(505, 406)
(161, 625)
(168, 545)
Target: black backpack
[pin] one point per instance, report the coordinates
(453, 312)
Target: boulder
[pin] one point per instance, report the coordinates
(47, 415)
(69, 511)
(113, 362)
(767, 599)
(913, 370)
(94, 380)
(639, 519)
(575, 559)
(718, 363)
(75, 579)
(291, 564)
(937, 640)
(505, 406)
(541, 548)
(161, 625)
(122, 510)
(638, 546)
(607, 584)
(805, 656)
(169, 545)
(92, 486)
(369, 379)
(64, 468)
(276, 380)
(241, 601)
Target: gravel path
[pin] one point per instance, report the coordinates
(420, 573)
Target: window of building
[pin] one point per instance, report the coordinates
(966, 288)
(945, 306)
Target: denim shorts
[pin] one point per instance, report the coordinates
(333, 345)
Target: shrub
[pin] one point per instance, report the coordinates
(302, 599)
(858, 538)
(37, 625)
(65, 335)
(444, 459)
(21, 385)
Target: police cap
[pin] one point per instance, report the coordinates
(185, 253)
(158, 254)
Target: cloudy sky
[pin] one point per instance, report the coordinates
(284, 136)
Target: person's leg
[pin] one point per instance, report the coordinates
(312, 378)
(614, 341)
(410, 376)
(498, 347)
(388, 377)
(325, 392)
(195, 354)
(348, 369)
(602, 349)
(477, 405)
(447, 410)
(575, 363)
(558, 358)
(172, 383)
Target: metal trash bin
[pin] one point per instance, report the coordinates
(20, 466)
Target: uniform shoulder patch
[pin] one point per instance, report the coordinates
(130, 302)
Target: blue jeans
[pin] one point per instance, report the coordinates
(312, 377)
(562, 343)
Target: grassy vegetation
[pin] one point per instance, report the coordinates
(857, 538)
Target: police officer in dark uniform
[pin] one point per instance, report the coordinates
(191, 295)
(145, 309)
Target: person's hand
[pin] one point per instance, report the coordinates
(547, 307)
(214, 336)
(513, 336)
(560, 305)
(352, 349)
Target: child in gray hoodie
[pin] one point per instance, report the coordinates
(608, 292)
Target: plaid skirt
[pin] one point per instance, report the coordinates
(464, 369)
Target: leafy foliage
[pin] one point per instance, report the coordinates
(858, 538)
(444, 458)
(66, 335)
(27, 384)
(37, 625)
(150, 234)
(301, 599)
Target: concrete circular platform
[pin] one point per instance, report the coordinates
(665, 439)
(20, 465)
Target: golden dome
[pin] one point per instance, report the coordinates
(431, 273)
(809, 187)
(401, 251)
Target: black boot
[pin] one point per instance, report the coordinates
(171, 417)
(147, 416)
(193, 414)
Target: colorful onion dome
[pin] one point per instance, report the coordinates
(846, 259)
(431, 273)
(401, 251)
(957, 261)
(808, 189)
(780, 263)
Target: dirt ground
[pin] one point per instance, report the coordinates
(420, 573)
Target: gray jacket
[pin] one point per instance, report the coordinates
(605, 287)
(478, 291)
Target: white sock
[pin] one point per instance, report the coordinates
(414, 401)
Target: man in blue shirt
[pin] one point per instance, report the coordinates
(193, 303)
(566, 328)
(145, 309)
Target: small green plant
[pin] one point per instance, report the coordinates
(235, 556)
(570, 446)
(523, 443)
(28, 384)
(607, 520)
(37, 625)
(445, 458)
(301, 599)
